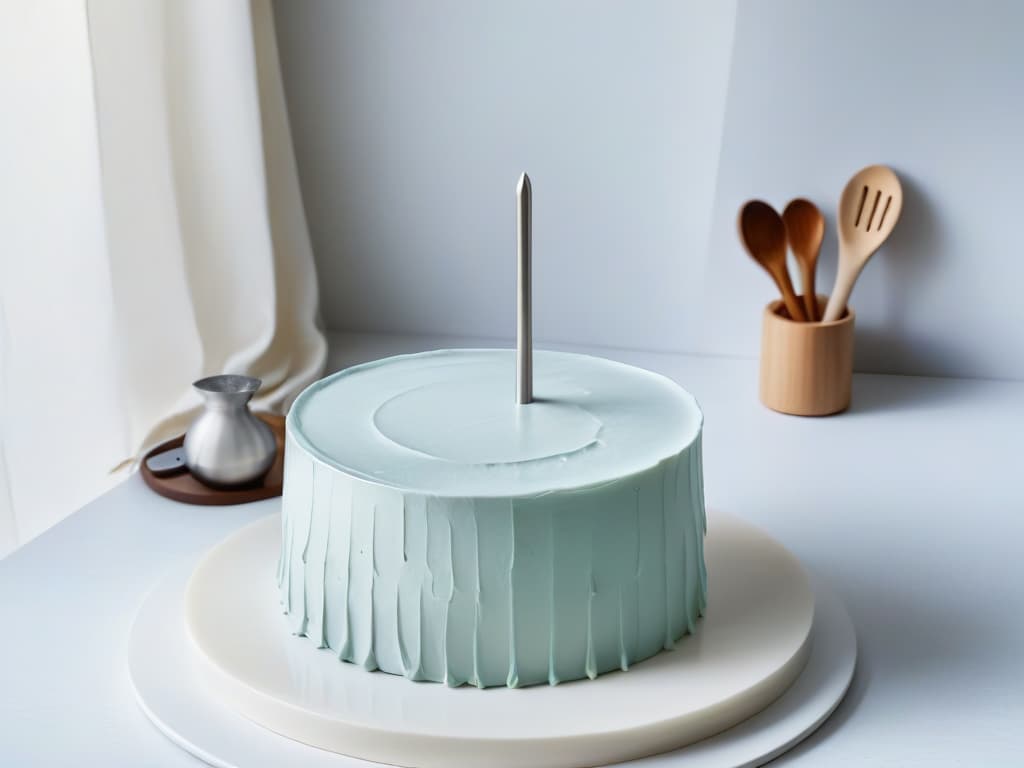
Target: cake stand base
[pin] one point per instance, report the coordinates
(740, 661)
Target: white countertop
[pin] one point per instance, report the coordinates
(909, 505)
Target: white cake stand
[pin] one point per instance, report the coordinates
(774, 651)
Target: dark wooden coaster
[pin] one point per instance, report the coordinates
(185, 488)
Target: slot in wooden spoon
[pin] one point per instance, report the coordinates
(764, 236)
(868, 210)
(805, 228)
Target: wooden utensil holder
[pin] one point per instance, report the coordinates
(806, 368)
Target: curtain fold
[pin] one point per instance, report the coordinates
(161, 237)
(211, 262)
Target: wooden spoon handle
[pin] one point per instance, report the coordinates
(810, 296)
(796, 312)
(845, 278)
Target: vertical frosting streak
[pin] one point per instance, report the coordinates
(553, 678)
(512, 681)
(476, 678)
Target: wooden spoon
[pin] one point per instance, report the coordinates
(868, 210)
(805, 228)
(764, 236)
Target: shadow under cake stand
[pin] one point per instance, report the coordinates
(214, 667)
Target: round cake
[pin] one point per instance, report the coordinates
(436, 529)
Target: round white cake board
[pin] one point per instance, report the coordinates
(184, 692)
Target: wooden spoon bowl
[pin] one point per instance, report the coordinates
(764, 236)
(805, 229)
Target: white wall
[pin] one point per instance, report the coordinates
(644, 126)
(412, 122)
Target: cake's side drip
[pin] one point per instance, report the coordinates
(633, 651)
(301, 507)
(458, 609)
(668, 509)
(553, 678)
(590, 657)
(437, 590)
(651, 602)
(314, 554)
(282, 556)
(512, 681)
(412, 586)
(692, 545)
(284, 564)
(345, 652)
(698, 503)
(494, 521)
(590, 662)
(402, 630)
(684, 481)
(448, 634)
(359, 645)
(683, 526)
(476, 678)
(329, 516)
(629, 590)
(571, 554)
(531, 585)
(415, 671)
(336, 564)
(623, 655)
(304, 558)
(388, 563)
(368, 557)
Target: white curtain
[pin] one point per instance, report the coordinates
(186, 253)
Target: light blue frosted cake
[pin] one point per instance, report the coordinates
(433, 528)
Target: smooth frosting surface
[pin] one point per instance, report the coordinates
(536, 543)
(447, 423)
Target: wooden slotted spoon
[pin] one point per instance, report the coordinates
(868, 210)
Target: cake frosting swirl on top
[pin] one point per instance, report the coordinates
(434, 528)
